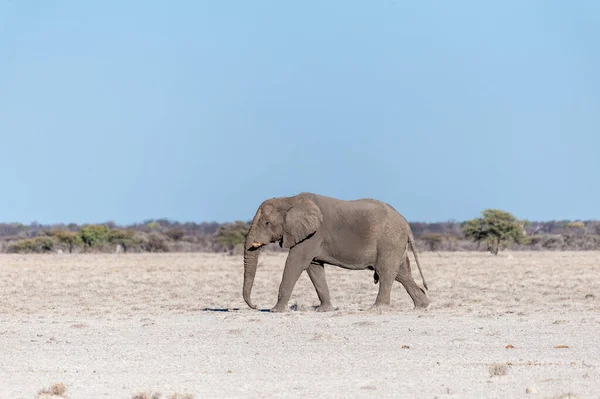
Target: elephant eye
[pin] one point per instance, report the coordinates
(267, 223)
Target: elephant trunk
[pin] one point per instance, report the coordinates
(250, 260)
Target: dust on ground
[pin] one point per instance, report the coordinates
(520, 324)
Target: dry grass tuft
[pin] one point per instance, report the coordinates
(147, 395)
(498, 369)
(59, 389)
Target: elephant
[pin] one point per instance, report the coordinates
(319, 230)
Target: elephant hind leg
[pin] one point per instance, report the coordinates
(405, 278)
(386, 268)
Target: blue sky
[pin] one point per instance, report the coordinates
(200, 110)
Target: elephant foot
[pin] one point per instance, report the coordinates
(422, 303)
(324, 308)
(379, 307)
(278, 309)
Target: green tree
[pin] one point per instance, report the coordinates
(68, 238)
(94, 235)
(231, 234)
(495, 228)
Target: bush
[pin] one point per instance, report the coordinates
(33, 245)
(175, 234)
(154, 225)
(433, 240)
(125, 238)
(231, 234)
(576, 228)
(155, 244)
(68, 238)
(94, 235)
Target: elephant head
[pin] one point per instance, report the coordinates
(287, 220)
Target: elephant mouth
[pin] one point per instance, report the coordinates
(259, 244)
(256, 245)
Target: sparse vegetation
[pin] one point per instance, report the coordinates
(166, 236)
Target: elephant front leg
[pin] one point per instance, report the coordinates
(316, 272)
(298, 260)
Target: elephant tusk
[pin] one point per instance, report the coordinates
(257, 244)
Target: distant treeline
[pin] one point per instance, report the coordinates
(163, 235)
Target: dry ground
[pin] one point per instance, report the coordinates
(113, 326)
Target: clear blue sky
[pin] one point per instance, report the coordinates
(199, 110)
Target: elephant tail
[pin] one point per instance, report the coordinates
(412, 247)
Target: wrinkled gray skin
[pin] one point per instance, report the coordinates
(318, 230)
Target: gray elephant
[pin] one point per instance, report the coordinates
(318, 230)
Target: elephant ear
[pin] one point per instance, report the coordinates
(301, 220)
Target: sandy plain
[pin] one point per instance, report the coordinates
(121, 325)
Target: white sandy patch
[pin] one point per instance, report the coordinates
(112, 326)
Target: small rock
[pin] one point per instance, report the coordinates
(509, 346)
